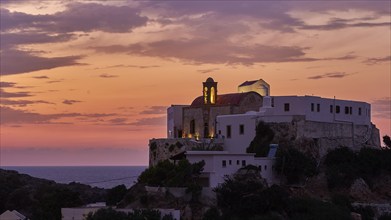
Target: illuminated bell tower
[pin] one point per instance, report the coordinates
(210, 91)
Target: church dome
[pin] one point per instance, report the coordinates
(210, 79)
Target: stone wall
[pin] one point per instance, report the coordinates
(164, 148)
(320, 137)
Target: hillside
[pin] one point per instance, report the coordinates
(43, 199)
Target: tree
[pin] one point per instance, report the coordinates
(261, 142)
(165, 173)
(294, 165)
(387, 141)
(116, 194)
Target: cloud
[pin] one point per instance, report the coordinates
(377, 60)
(16, 116)
(105, 75)
(40, 77)
(150, 121)
(6, 84)
(381, 108)
(22, 103)
(330, 75)
(155, 110)
(4, 94)
(85, 17)
(70, 102)
(207, 70)
(17, 62)
(205, 50)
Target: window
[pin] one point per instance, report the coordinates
(359, 111)
(219, 131)
(206, 95)
(237, 162)
(286, 107)
(350, 110)
(212, 95)
(331, 108)
(241, 129)
(224, 163)
(243, 163)
(312, 107)
(230, 162)
(337, 109)
(318, 107)
(228, 131)
(265, 167)
(192, 127)
(346, 110)
(260, 168)
(272, 102)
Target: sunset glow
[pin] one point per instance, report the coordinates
(89, 82)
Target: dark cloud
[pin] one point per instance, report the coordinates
(204, 71)
(155, 110)
(381, 108)
(271, 15)
(330, 75)
(6, 84)
(83, 17)
(339, 24)
(105, 75)
(70, 102)
(11, 40)
(129, 66)
(377, 60)
(4, 94)
(17, 62)
(16, 116)
(40, 77)
(211, 51)
(150, 121)
(55, 81)
(22, 103)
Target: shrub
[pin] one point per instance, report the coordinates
(168, 174)
(294, 165)
(261, 142)
(115, 194)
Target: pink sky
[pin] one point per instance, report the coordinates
(88, 82)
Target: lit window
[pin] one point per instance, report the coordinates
(206, 95)
(212, 95)
(286, 107)
(241, 129)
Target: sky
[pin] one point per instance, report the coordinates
(89, 82)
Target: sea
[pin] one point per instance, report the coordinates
(100, 176)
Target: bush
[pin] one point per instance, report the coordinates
(307, 208)
(262, 140)
(115, 195)
(168, 174)
(109, 213)
(294, 165)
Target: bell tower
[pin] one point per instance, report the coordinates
(210, 91)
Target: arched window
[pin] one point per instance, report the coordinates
(206, 95)
(212, 95)
(192, 127)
